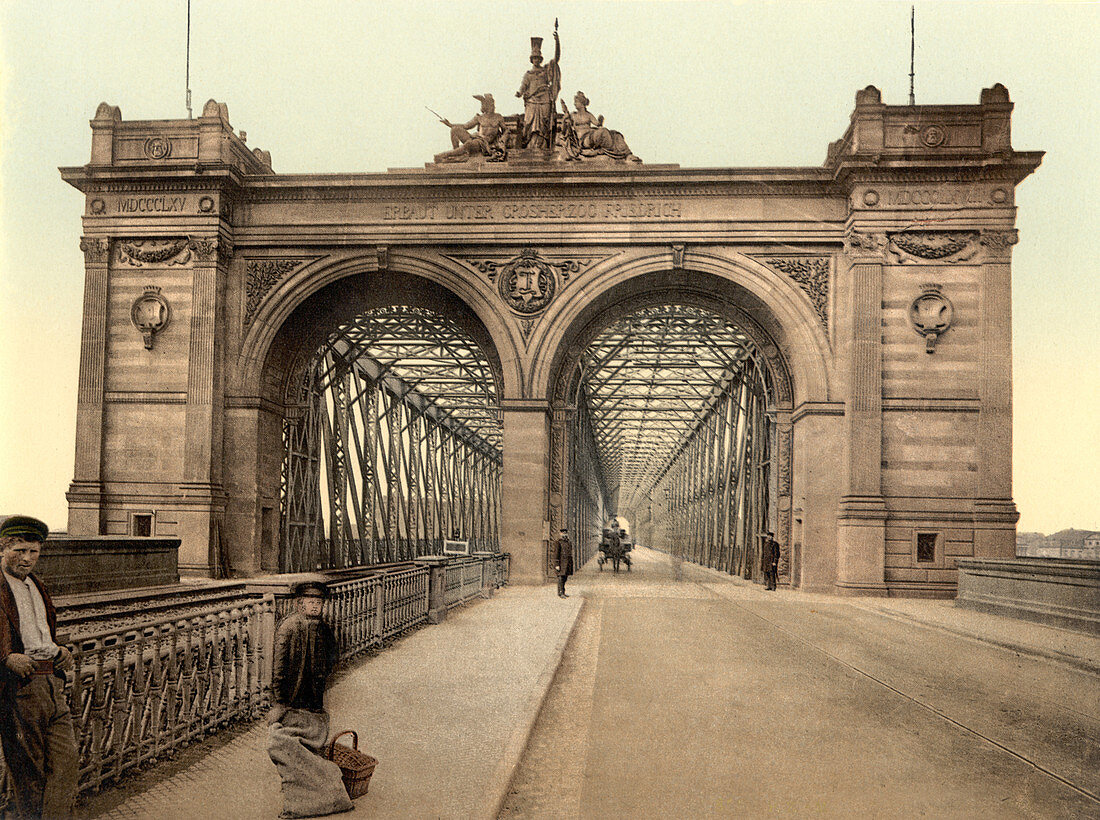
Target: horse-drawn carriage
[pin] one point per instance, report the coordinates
(614, 547)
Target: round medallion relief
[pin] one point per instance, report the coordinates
(933, 135)
(157, 148)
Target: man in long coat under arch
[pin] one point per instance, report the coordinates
(563, 559)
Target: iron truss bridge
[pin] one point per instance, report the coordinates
(676, 401)
(397, 442)
(397, 447)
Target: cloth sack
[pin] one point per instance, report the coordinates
(312, 785)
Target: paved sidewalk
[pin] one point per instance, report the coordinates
(447, 711)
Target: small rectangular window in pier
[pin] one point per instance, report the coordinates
(926, 547)
(141, 525)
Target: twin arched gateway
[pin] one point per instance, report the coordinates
(864, 306)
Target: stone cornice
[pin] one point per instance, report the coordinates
(1011, 168)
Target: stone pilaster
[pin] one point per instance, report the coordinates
(84, 494)
(201, 487)
(559, 472)
(524, 488)
(994, 511)
(861, 532)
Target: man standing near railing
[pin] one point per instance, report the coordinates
(305, 655)
(36, 728)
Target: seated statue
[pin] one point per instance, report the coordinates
(584, 135)
(489, 141)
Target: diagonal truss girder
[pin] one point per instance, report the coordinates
(676, 402)
(397, 447)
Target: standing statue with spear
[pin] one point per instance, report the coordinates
(539, 89)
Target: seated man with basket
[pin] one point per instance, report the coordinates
(305, 655)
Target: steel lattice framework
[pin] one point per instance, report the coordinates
(676, 401)
(397, 445)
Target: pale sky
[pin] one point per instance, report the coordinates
(341, 86)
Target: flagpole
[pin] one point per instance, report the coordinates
(912, 50)
(188, 69)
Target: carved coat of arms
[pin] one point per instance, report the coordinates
(527, 284)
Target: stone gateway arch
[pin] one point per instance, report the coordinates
(229, 312)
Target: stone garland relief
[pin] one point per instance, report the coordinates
(812, 275)
(261, 276)
(138, 253)
(784, 446)
(931, 247)
(922, 247)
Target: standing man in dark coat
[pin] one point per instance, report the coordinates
(305, 655)
(36, 727)
(770, 560)
(563, 559)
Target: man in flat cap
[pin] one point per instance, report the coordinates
(36, 728)
(305, 655)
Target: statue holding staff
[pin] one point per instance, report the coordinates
(539, 89)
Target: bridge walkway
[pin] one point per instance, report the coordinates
(711, 697)
(705, 697)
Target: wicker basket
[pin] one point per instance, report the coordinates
(355, 766)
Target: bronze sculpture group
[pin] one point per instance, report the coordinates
(541, 133)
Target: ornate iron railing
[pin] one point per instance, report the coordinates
(405, 600)
(143, 691)
(140, 693)
(463, 581)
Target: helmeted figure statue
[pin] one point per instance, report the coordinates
(584, 135)
(539, 89)
(489, 141)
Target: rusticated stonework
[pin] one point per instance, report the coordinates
(262, 276)
(812, 275)
(924, 247)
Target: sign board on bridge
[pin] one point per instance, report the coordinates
(456, 547)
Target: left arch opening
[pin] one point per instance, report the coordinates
(392, 444)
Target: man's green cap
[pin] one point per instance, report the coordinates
(25, 527)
